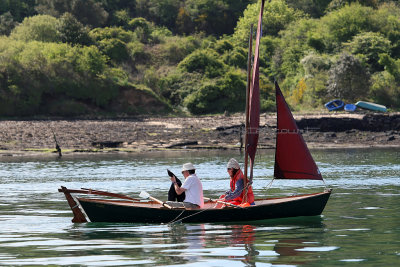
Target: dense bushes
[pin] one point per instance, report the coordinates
(203, 61)
(360, 32)
(31, 72)
(39, 28)
(87, 56)
(224, 94)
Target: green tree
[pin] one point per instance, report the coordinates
(385, 90)
(184, 23)
(341, 25)
(7, 23)
(39, 28)
(215, 16)
(337, 4)
(114, 49)
(293, 46)
(142, 28)
(223, 45)
(164, 12)
(119, 33)
(314, 63)
(120, 11)
(177, 48)
(315, 8)
(391, 65)
(203, 61)
(316, 76)
(208, 15)
(387, 19)
(112, 41)
(177, 85)
(53, 8)
(237, 57)
(277, 16)
(32, 72)
(19, 9)
(225, 94)
(369, 46)
(120, 18)
(71, 31)
(348, 79)
(88, 12)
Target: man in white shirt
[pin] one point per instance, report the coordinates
(192, 187)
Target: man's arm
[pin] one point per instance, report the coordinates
(179, 190)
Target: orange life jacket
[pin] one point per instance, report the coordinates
(239, 199)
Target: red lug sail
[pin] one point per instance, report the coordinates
(293, 160)
(254, 98)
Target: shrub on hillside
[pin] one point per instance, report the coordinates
(369, 46)
(30, 71)
(136, 51)
(177, 86)
(7, 23)
(141, 28)
(348, 79)
(177, 48)
(277, 15)
(205, 61)
(215, 96)
(236, 58)
(119, 33)
(38, 28)
(223, 45)
(115, 49)
(113, 42)
(71, 31)
(385, 90)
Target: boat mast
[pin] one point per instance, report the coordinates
(247, 123)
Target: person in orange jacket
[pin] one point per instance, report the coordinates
(237, 186)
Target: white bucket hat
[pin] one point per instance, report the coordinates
(232, 163)
(187, 167)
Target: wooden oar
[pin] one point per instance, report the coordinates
(109, 194)
(223, 202)
(144, 194)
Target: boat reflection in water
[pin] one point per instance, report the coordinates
(250, 244)
(244, 236)
(222, 243)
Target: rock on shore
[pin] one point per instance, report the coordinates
(328, 130)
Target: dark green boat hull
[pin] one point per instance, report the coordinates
(311, 205)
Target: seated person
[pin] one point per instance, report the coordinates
(191, 186)
(237, 190)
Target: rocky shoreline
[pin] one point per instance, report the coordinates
(325, 130)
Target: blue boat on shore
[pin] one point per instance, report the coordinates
(334, 105)
(350, 107)
(371, 106)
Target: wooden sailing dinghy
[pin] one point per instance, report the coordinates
(292, 161)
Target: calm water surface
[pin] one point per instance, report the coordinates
(359, 227)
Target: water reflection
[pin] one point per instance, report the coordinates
(245, 236)
(216, 243)
(248, 244)
(181, 244)
(192, 237)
